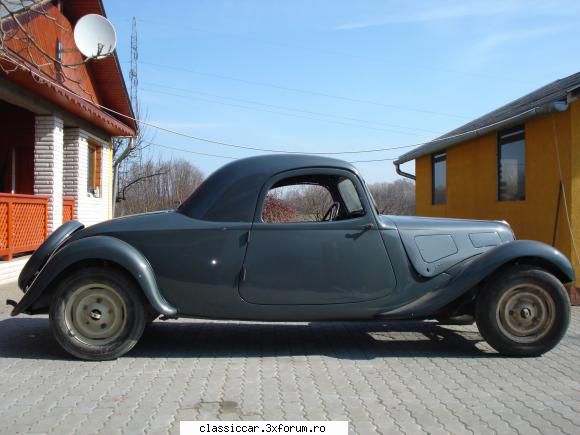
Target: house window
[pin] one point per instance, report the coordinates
(94, 163)
(439, 170)
(511, 171)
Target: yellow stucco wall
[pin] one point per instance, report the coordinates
(472, 181)
(575, 184)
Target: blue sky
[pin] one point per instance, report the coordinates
(333, 76)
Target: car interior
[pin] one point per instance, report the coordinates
(333, 198)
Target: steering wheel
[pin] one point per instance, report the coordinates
(332, 212)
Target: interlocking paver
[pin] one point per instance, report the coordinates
(406, 377)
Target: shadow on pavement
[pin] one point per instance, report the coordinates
(31, 338)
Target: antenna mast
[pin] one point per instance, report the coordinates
(125, 145)
(133, 77)
(133, 74)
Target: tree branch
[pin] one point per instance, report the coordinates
(137, 180)
(32, 40)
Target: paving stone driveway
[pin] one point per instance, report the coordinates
(382, 377)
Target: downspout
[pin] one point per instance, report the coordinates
(403, 173)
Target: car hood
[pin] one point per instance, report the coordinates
(418, 222)
(434, 245)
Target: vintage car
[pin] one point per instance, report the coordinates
(216, 257)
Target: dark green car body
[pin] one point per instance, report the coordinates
(214, 257)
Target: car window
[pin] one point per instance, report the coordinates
(312, 198)
(350, 196)
(296, 203)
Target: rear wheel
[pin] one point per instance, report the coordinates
(523, 312)
(97, 314)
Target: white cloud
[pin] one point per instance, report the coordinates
(424, 12)
(499, 39)
(421, 14)
(483, 51)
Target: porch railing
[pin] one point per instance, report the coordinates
(68, 209)
(23, 223)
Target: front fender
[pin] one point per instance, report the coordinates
(467, 275)
(530, 251)
(97, 248)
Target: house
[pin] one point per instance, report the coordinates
(55, 140)
(519, 163)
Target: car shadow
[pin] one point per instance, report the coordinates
(31, 338)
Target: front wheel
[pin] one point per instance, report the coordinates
(97, 314)
(523, 312)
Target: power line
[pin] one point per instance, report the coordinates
(177, 133)
(391, 62)
(199, 153)
(396, 62)
(294, 115)
(237, 158)
(375, 160)
(301, 91)
(276, 106)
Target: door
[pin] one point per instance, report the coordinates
(315, 241)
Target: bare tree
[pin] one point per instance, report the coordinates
(397, 197)
(277, 210)
(23, 47)
(127, 149)
(156, 185)
(23, 24)
(310, 200)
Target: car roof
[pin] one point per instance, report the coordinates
(231, 193)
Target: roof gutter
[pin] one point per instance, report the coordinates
(443, 143)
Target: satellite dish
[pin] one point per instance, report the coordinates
(95, 36)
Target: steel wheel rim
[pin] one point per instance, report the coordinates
(526, 313)
(95, 314)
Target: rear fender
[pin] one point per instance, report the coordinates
(469, 274)
(97, 248)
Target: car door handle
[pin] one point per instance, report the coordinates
(366, 227)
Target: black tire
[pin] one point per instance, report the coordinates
(97, 314)
(523, 311)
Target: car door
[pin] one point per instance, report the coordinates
(316, 262)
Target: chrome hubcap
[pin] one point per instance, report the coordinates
(95, 314)
(525, 313)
